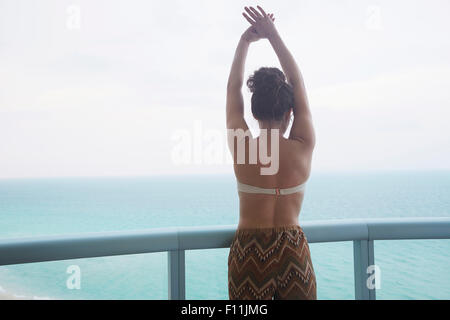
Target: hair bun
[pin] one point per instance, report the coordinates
(272, 96)
(266, 79)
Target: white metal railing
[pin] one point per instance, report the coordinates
(176, 240)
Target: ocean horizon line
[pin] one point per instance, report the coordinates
(206, 174)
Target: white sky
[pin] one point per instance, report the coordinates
(106, 98)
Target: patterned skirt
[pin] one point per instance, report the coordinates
(270, 263)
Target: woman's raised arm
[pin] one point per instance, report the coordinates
(302, 128)
(235, 101)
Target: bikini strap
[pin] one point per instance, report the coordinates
(276, 191)
(252, 189)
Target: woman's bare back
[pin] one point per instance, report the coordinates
(263, 210)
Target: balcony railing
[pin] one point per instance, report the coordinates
(176, 240)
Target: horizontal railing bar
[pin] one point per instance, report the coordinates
(409, 229)
(335, 230)
(90, 245)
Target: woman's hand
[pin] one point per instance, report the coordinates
(261, 22)
(250, 35)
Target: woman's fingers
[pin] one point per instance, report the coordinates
(262, 11)
(256, 12)
(248, 18)
(250, 13)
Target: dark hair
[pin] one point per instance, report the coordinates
(272, 95)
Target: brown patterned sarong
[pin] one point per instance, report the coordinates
(270, 263)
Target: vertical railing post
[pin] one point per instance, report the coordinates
(363, 257)
(176, 268)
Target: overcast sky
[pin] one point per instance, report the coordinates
(106, 88)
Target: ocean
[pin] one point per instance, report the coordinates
(410, 269)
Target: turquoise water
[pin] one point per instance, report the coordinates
(417, 269)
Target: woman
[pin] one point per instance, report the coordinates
(269, 256)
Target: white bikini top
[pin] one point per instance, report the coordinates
(277, 191)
